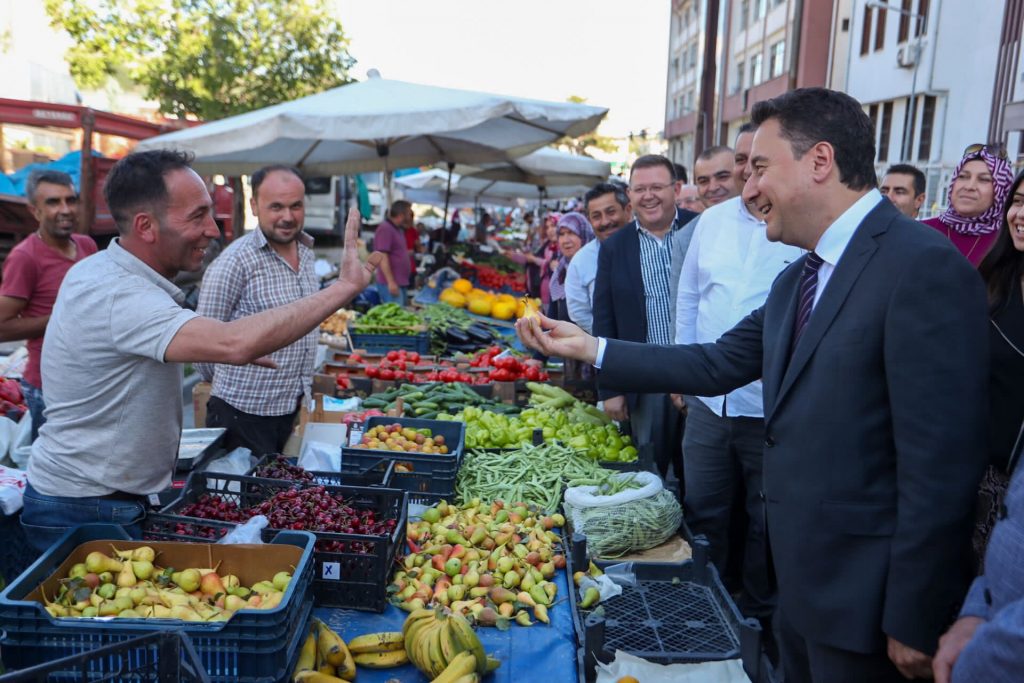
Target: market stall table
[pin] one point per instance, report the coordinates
(541, 652)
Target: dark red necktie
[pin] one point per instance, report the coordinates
(808, 286)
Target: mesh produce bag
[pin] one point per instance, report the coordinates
(629, 521)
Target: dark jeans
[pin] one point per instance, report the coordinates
(261, 434)
(47, 518)
(721, 456)
(656, 423)
(34, 400)
(807, 661)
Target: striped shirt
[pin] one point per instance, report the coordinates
(655, 265)
(247, 278)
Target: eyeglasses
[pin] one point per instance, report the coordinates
(644, 189)
(978, 147)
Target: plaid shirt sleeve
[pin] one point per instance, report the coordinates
(222, 287)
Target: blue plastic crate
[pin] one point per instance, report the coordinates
(253, 646)
(382, 343)
(18, 553)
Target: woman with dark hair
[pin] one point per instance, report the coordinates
(984, 643)
(977, 194)
(540, 264)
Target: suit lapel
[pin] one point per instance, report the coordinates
(635, 273)
(775, 364)
(856, 256)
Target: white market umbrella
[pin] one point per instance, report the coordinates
(380, 124)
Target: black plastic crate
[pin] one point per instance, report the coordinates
(382, 343)
(428, 464)
(161, 657)
(18, 553)
(676, 613)
(257, 646)
(347, 579)
(379, 473)
(425, 489)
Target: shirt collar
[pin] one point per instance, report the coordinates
(305, 239)
(837, 236)
(672, 228)
(134, 264)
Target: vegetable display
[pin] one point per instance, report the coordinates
(428, 400)
(534, 474)
(388, 319)
(452, 329)
(394, 438)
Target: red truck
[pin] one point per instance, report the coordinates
(15, 220)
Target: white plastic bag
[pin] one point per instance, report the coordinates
(238, 461)
(728, 671)
(12, 489)
(21, 441)
(246, 533)
(590, 497)
(318, 456)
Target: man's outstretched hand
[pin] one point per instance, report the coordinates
(354, 271)
(557, 338)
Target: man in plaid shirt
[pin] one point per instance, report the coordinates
(266, 268)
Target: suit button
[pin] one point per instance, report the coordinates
(769, 442)
(761, 494)
(1003, 511)
(988, 597)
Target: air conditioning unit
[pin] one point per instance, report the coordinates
(906, 56)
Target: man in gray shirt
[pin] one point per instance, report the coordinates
(117, 339)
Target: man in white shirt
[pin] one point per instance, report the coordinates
(728, 270)
(608, 208)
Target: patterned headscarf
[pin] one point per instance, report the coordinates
(992, 219)
(578, 224)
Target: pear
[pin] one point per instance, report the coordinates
(185, 613)
(144, 554)
(263, 587)
(78, 570)
(123, 603)
(161, 612)
(106, 591)
(171, 599)
(240, 591)
(128, 614)
(212, 585)
(107, 609)
(230, 582)
(95, 600)
(281, 580)
(91, 611)
(97, 563)
(271, 600)
(106, 577)
(143, 569)
(123, 592)
(234, 603)
(188, 580)
(138, 595)
(126, 577)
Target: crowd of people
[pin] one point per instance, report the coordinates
(851, 380)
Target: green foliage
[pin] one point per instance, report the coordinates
(208, 58)
(593, 140)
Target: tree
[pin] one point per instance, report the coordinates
(206, 58)
(590, 140)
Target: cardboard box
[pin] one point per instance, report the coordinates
(250, 563)
(200, 397)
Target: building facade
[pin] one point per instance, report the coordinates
(687, 40)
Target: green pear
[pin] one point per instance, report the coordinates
(78, 570)
(91, 611)
(143, 569)
(98, 563)
(128, 614)
(106, 577)
(188, 580)
(281, 580)
(126, 577)
(107, 609)
(106, 591)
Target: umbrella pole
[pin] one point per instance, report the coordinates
(447, 198)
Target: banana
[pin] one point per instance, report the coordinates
(417, 645)
(415, 616)
(316, 677)
(468, 640)
(468, 678)
(492, 663)
(333, 651)
(382, 660)
(327, 669)
(437, 661)
(463, 664)
(412, 639)
(386, 641)
(307, 656)
(449, 646)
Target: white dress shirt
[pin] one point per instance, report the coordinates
(728, 272)
(830, 248)
(579, 285)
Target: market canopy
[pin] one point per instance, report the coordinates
(380, 124)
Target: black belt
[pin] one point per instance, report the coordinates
(129, 497)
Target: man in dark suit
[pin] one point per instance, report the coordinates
(632, 299)
(872, 349)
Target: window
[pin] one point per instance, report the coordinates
(924, 147)
(777, 59)
(910, 119)
(865, 36)
(880, 30)
(739, 76)
(921, 25)
(883, 137)
(755, 69)
(760, 8)
(693, 54)
(744, 13)
(675, 66)
(904, 30)
(776, 3)
(873, 117)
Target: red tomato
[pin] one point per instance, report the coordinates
(387, 374)
(532, 373)
(372, 371)
(392, 355)
(414, 357)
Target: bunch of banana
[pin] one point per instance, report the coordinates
(379, 650)
(324, 658)
(445, 647)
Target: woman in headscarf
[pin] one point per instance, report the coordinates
(981, 183)
(540, 264)
(574, 230)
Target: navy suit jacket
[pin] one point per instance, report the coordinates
(874, 431)
(620, 307)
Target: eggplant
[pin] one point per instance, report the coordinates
(480, 333)
(454, 334)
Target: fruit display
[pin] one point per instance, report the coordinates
(508, 368)
(427, 400)
(536, 474)
(394, 437)
(462, 294)
(337, 322)
(130, 585)
(394, 365)
(281, 468)
(388, 319)
(307, 509)
(324, 657)
(492, 563)
(443, 646)
(452, 329)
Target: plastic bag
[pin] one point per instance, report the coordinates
(21, 441)
(250, 532)
(319, 456)
(12, 489)
(238, 461)
(604, 585)
(624, 664)
(629, 521)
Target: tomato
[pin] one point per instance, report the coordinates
(414, 357)
(392, 355)
(532, 373)
(372, 371)
(400, 365)
(387, 374)
(501, 375)
(355, 358)
(343, 382)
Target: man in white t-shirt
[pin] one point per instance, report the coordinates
(117, 340)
